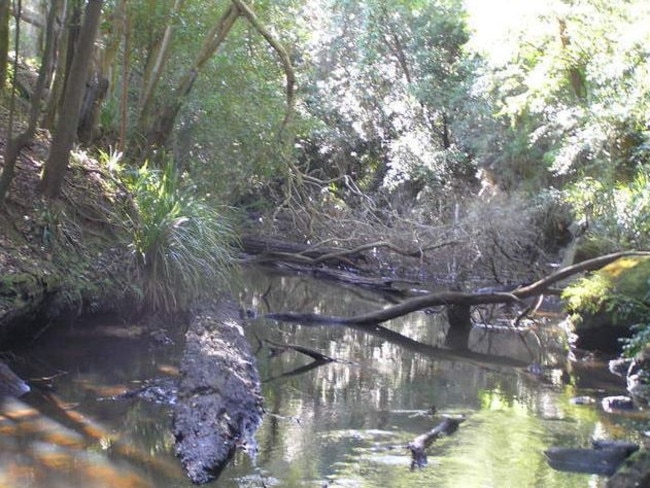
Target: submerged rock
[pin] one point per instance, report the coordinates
(582, 400)
(163, 391)
(636, 372)
(604, 458)
(219, 405)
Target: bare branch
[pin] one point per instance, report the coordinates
(446, 298)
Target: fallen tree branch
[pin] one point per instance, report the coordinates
(419, 445)
(315, 355)
(319, 359)
(418, 253)
(318, 254)
(589, 265)
(447, 298)
(411, 305)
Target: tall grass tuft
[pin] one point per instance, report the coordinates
(181, 247)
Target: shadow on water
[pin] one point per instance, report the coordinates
(339, 423)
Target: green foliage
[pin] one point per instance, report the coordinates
(407, 129)
(574, 92)
(588, 295)
(639, 341)
(621, 291)
(181, 246)
(618, 213)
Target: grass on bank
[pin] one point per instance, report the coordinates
(180, 246)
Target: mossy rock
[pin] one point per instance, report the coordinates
(635, 471)
(589, 247)
(607, 303)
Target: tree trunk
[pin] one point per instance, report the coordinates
(159, 132)
(63, 139)
(460, 326)
(94, 95)
(57, 88)
(4, 42)
(156, 64)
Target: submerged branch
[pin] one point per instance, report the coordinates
(418, 446)
(312, 353)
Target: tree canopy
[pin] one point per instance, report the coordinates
(404, 108)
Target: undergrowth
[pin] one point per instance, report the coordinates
(180, 246)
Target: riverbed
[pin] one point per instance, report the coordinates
(342, 423)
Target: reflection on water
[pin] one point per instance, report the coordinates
(339, 424)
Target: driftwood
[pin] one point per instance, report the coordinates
(419, 445)
(271, 250)
(319, 359)
(219, 405)
(448, 298)
(312, 353)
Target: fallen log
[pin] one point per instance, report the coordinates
(219, 404)
(448, 298)
(273, 250)
(419, 445)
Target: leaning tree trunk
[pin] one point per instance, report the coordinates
(57, 162)
(163, 122)
(159, 56)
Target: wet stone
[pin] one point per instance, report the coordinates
(618, 402)
(10, 383)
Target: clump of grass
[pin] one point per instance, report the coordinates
(181, 246)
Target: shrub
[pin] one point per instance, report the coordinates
(181, 246)
(618, 212)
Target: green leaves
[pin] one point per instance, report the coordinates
(578, 86)
(181, 246)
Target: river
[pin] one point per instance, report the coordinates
(344, 423)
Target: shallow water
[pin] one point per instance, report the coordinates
(345, 423)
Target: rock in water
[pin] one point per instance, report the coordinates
(10, 383)
(604, 458)
(219, 404)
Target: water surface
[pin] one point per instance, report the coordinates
(345, 423)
